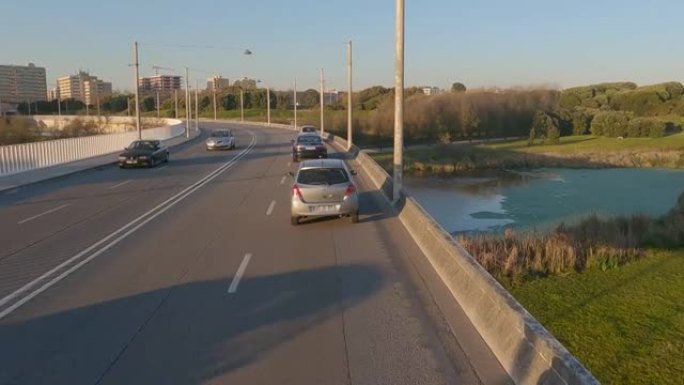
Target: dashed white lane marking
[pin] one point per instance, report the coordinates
(120, 184)
(270, 208)
(282, 181)
(21, 222)
(238, 275)
(161, 168)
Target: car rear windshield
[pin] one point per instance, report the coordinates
(308, 129)
(309, 139)
(219, 134)
(142, 145)
(322, 176)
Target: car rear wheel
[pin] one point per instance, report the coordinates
(295, 158)
(294, 221)
(166, 158)
(355, 217)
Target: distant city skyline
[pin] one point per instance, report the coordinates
(491, 43)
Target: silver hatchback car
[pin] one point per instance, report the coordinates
(324, 187)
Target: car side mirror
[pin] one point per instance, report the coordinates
(353, 172)
(292, 141)
(291, 174)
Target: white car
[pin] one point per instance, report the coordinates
(221, 140)
(324, 187)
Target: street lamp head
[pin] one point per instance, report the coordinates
(248, 52)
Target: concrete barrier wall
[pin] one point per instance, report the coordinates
(528, 352)
(30, 156)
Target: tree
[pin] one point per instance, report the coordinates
(458, 87)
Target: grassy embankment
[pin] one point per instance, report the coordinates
(573, 151)
(611, 290)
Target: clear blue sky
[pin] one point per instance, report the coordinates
(480, 43)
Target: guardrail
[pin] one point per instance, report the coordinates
(18, 158)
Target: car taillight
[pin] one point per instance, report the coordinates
(296, 192)
(299, 147)
(350, 190)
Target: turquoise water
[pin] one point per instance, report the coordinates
(543, 199)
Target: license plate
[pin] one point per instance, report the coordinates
(324, 208)
(131, 161)
(310, 148)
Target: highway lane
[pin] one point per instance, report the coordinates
(326, 302)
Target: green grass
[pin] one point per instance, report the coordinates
(588, 143)
(626, 325)
(573, 151)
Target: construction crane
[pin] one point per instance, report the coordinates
(156, 69)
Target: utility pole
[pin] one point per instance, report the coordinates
(158, 105)
(187, 104)
(295, 103)
(59, 103)
(97, 98)
(137, 93)
(213, 88)
(349, 96)
(175, 103)
(268, 105)
(196, 105)
(242, 105)
(397, 174)
(1, 106)
(322, 102)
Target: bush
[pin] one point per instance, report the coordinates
(611, 123)
(646, 127)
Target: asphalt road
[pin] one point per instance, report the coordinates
(191, 274)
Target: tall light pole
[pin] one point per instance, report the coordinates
(213, 88)
(242, 105)
(398, 104)
(295, 103)
(158, 104)
(187, 104)
(268, 105)
(137, 92)
(59, 103)
(349, 96)
(175, 103)
(196, 105)
(322, 102)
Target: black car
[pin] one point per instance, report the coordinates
(146, 153)
(308, 146)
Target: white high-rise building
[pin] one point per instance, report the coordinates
(83, 87)
(20, 84)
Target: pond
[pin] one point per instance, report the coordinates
(544, 198)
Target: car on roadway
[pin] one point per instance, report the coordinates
(144, 153)
(324, 187)
(308, 129)
(220, 140)
(308, 146)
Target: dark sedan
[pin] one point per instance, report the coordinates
(308, 146)
(147, 153)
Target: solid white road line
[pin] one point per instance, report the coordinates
(238, 275)
(120, 184)
(270, 208)
(282, 181)
(114, 237)
(21, 222)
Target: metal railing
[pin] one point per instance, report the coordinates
(18, 158)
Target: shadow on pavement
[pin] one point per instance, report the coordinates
(190, 333)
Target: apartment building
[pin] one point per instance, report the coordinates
(20, 84)
(83, 87)
(161, 83)
(217, 83)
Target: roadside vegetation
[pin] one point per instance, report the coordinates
(611, 290)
